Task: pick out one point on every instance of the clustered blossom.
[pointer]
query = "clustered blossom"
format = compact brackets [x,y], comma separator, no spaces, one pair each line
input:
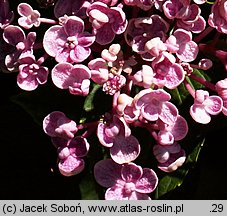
[138,61]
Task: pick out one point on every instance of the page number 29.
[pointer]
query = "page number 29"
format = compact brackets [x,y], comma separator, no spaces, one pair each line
[217,208]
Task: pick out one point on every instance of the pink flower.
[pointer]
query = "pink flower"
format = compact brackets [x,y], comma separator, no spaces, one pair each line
[69,42]
[70,154]
[29,17]
[167,72]
[57,124]
[218,16]
[180,42]
[15,36]
[6,16]
[170,157]
[76,78]
[106,22]
[169,133]
[125,182]
[116,135]
[221,87]
[141,30]
[154,105]
[31,74]
[204,106]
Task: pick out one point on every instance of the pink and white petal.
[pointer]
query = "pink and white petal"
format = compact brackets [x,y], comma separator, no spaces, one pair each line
[71,166]
[86,39]
[78,146]
[63,55]
[175,76]
[27,59]
[199,25]
[179,129]
[107,172]
[199,114]
[213,105]
[174,162]
[168,113]
[143,97]
[54,40]
[105,35]
[125,149]
[23,21]
[188,52]
[182,36]
[42,75]
[131,172]
[29,83]
[85,87]
[115,193]
[73,26]
[150,112]
[103,138]
[161,153]
[60,75]
[13,35]
[148,182]
[80,53]
[165,138]
[24,9]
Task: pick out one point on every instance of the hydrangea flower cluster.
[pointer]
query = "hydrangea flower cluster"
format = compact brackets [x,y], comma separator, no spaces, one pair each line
[138,52]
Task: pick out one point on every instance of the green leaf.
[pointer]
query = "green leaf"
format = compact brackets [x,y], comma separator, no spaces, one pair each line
[171,181]
[89,101]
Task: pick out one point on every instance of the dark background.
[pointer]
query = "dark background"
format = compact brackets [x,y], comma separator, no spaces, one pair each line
[28,159]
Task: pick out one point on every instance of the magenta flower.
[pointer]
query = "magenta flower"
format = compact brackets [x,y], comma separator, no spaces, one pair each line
[125,182]
[6,16]
[57,124]
[180,42]
[106,22]
[69,42]
[70,154]
[218,16]
[154,105]
[15,36]
[76,78]
[204,106]
[170,157]
[167,72]
[31,73]
[29,17]
[116,135]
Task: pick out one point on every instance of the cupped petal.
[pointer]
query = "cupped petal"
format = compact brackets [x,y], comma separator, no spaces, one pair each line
[71,166]
[13,35]
[213,105]
[79,53]
[86,39]
[42,75]
[105,35]
[29,83]
[150,112]
[107,172]
[168,113]
[125,149]
[148,182]
[199,114]
[115,193]
[103,138]
[73,26]
[188,52]
[131,172]
[78,146]
[54,40]
[24,9]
